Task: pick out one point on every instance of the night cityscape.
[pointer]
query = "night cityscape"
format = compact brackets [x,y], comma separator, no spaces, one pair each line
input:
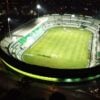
[14,14]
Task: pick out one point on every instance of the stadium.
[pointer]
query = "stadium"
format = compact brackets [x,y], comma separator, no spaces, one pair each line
[59,45]
[50,49]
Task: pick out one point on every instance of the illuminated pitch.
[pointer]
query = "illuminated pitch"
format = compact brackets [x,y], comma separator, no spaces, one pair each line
[61,47]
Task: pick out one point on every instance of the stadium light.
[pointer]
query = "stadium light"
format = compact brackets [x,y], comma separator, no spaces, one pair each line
[14,39]
[8,20]
[73,15]
[38,8]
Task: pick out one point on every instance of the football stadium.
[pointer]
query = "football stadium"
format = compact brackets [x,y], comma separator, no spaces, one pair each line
[57,45]
[49,49]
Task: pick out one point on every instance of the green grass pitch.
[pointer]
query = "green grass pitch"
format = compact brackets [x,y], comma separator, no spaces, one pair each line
[61,47]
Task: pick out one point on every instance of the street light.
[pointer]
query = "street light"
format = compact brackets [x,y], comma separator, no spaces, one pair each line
[38,8]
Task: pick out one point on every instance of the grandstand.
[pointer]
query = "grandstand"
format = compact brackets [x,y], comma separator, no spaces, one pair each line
[30,36]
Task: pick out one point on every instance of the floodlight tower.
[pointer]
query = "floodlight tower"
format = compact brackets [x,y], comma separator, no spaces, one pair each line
[8,18]
[38,8]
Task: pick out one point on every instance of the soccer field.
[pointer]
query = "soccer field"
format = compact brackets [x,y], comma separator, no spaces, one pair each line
[61,47]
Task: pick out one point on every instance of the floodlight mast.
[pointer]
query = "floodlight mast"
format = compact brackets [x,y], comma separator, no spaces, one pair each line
[8,18]
[38,8]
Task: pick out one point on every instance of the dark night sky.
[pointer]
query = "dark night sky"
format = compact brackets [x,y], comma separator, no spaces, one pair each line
[20,9]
